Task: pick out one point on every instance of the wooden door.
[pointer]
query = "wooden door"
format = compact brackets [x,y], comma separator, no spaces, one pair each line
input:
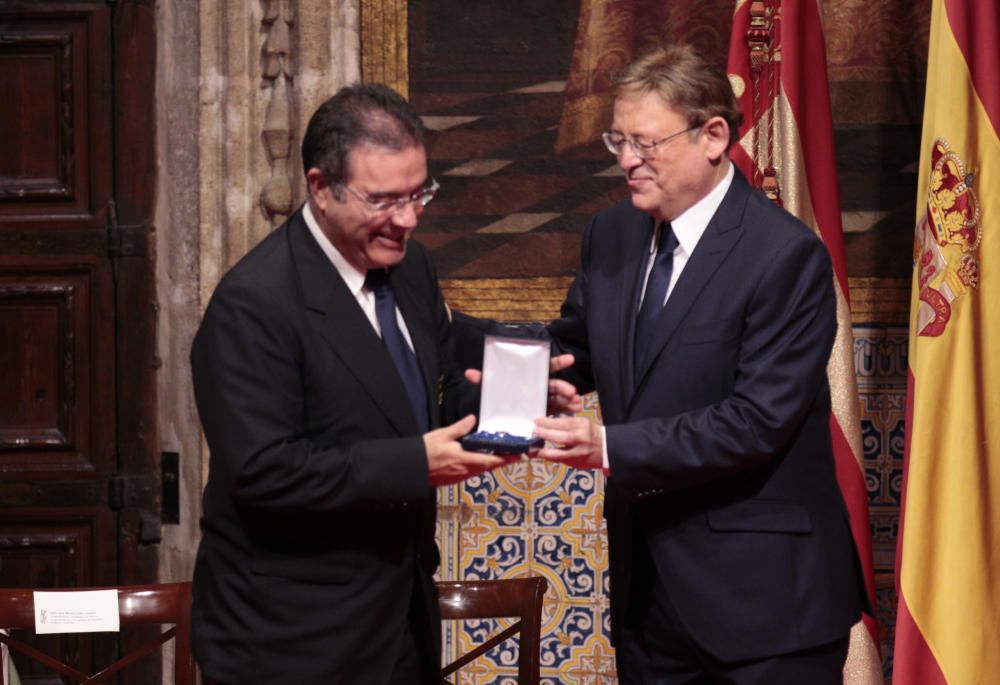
[79,496]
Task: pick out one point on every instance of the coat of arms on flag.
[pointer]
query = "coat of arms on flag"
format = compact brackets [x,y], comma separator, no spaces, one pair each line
[947,239]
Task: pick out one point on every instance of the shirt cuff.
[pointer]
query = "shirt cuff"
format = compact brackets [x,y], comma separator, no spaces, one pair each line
[605,464]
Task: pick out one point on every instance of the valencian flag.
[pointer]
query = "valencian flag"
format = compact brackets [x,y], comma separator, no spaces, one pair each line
[777,65]
[948,559]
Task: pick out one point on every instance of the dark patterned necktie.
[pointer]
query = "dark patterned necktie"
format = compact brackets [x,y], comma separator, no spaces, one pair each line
[402,356]
[656,293]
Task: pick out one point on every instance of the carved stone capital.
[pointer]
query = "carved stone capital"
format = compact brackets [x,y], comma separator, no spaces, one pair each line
[265,67]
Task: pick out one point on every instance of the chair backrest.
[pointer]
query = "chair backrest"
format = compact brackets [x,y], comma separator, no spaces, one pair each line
[519,598]
[137,604]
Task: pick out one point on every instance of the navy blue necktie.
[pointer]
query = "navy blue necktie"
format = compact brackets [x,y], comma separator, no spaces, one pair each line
[656,293]
[402,356]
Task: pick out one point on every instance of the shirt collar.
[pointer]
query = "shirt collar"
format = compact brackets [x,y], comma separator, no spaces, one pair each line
[354,279]
[691,224]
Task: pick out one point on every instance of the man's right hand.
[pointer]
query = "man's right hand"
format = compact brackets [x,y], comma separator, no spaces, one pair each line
[449,463]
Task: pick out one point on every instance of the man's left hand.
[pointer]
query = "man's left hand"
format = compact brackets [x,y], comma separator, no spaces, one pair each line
[563,397]
[576,441]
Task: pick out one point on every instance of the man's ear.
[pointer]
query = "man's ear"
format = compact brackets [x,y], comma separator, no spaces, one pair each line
[716,132]
[321,190]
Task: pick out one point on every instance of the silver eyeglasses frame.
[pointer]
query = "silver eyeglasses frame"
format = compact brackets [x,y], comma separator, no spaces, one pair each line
[615,142]
[421,197]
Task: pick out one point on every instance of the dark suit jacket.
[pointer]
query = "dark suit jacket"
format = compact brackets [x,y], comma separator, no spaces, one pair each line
[720,448]
[318,522]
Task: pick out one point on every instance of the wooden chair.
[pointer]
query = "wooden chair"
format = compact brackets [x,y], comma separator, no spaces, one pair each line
[519,598]
[137,604]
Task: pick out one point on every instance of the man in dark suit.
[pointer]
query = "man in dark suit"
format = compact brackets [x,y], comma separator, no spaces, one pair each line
[704,316]
[317,555]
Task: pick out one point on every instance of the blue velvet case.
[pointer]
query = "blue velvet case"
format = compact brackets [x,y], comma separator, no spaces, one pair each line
[500,443]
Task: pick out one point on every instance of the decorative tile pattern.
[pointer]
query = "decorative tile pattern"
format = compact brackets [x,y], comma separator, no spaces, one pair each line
[885,605]
[880,363]
[535,518]
[880,357]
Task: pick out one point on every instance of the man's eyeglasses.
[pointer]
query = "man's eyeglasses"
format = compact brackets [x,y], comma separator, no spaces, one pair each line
[615,142]
[393,204]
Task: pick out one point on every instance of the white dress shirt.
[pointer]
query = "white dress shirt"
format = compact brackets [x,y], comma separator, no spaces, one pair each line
[689,226]
[354,278]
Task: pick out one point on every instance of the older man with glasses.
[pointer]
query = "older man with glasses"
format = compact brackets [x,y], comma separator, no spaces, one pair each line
[324,372]
[704,316]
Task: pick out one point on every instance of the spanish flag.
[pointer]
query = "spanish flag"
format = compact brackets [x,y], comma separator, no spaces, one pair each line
[777,66]
[948,558]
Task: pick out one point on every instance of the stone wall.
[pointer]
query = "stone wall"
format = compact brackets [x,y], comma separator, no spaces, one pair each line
[236,84]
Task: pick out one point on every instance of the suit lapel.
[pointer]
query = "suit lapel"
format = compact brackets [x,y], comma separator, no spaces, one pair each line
[716,242]
[342,324]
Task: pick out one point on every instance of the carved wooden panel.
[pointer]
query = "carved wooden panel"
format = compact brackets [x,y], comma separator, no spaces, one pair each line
[54,115]
[38,163]
[54,549]
[55,346]
[50,551]
[78,495]
[76,290]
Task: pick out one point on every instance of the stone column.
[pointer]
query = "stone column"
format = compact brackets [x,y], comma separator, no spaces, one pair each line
[265,66]
[236,83]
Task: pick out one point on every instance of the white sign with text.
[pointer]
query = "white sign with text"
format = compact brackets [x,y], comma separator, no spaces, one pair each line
[85,611]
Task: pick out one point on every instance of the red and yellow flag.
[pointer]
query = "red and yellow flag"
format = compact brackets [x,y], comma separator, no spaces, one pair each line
[948,558]
[777,65]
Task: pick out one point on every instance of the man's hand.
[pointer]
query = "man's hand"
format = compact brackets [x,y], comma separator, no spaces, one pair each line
[563,397]
[448,463]
[577,441]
